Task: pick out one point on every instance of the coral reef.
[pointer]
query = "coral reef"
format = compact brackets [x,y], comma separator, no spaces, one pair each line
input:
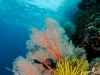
[47,48]
[88,21]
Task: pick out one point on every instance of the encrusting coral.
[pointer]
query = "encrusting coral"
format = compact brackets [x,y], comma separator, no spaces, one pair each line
[45,48]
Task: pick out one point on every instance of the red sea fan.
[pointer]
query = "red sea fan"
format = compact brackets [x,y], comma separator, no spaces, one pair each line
[22,66]
[46,38]
[47,43]
[52,38]
[42,56]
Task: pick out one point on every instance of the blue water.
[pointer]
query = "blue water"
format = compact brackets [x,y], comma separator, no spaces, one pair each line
[17,16]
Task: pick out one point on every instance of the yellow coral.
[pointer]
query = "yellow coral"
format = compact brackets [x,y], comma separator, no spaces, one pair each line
[71,67]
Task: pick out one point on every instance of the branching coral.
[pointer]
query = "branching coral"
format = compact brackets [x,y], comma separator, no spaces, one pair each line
[71,67]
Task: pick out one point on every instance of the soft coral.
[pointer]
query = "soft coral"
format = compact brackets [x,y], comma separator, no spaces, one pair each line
[47,38]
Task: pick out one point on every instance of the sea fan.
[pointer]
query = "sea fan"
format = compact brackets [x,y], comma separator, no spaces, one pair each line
[22,66]
[53,39]
[45,48]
